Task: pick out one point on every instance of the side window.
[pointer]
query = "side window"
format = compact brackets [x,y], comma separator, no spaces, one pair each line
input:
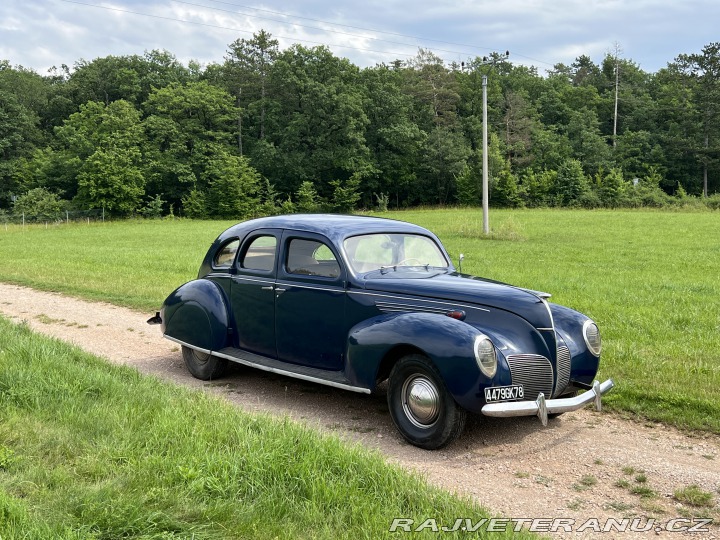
[226,254]
[260,254]
[311,258]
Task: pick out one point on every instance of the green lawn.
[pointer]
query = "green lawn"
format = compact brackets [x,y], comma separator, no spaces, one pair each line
[92,451]
[649,279]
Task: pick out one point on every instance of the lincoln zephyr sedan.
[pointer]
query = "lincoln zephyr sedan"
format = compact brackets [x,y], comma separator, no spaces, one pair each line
[351,302]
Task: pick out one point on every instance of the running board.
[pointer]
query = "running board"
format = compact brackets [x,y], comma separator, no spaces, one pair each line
[322,376]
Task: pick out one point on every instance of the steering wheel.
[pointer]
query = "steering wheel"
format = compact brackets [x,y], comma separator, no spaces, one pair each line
[402,263]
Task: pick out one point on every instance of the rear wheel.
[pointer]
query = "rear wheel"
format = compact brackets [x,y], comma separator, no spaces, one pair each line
[203,366]
[421,407]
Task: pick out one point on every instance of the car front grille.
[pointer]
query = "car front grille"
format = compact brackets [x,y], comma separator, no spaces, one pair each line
[563,370]
[534,372]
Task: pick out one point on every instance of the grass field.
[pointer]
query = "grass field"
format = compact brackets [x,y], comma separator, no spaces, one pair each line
[91,451]
[650,280]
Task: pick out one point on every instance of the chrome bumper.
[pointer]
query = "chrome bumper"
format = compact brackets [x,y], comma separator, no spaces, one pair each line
[541,407]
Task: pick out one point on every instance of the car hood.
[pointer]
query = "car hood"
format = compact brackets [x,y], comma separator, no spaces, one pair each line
[466,289]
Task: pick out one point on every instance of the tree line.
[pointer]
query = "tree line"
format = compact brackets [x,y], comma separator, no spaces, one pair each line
[268,130]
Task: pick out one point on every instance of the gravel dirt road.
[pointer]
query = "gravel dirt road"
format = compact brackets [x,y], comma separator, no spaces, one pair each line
[584,465]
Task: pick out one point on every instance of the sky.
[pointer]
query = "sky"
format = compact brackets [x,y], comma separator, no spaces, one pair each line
[39,34]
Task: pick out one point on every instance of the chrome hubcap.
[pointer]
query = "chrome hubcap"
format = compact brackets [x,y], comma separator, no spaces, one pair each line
[420,401]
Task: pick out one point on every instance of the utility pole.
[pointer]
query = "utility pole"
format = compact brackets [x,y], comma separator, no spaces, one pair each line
[485,182]
[494,57]
[617,91]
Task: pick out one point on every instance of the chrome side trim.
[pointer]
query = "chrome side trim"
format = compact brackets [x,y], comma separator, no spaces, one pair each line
[256,280]
[542,407]
[419,300]
[206,351]
[271,369]
[547,306]
[304,286]
[395,308]
[302,376]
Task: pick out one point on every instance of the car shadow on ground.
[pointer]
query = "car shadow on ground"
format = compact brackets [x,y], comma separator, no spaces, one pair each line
[357,417]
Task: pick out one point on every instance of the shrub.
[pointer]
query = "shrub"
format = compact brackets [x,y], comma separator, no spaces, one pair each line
[307,199]
[382,201]
[269,206]
[466,184]
[713,202]
[39,204]
[506,192]
[570,183]
[194,204]
[153,209]
[346,196]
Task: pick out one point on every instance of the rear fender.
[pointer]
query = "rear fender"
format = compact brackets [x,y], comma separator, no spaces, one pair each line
[196,314]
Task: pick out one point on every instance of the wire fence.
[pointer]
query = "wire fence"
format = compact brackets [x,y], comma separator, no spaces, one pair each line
[53,218]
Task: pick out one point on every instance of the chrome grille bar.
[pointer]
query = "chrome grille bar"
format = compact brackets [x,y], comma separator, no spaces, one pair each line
[534,372]
[563,370]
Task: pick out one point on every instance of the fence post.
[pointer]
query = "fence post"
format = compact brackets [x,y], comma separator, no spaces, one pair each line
[23,220]
[67,217]
[103,214]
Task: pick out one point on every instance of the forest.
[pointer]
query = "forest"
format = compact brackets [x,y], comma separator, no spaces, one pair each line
[265,130]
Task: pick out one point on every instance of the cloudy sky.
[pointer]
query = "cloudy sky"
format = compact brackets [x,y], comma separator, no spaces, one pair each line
[39,34]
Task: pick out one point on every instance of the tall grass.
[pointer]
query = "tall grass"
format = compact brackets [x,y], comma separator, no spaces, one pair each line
[649,278]
[134,263]
[94,451]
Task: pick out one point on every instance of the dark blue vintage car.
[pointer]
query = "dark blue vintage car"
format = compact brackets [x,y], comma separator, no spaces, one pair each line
[353,301]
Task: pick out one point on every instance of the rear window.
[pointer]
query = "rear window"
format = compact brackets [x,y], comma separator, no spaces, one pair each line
[226,254]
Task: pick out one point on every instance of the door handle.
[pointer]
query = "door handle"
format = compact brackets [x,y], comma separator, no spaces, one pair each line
[270,288]
[279,290]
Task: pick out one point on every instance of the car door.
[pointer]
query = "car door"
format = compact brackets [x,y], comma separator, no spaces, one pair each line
[253,292]
[310,302]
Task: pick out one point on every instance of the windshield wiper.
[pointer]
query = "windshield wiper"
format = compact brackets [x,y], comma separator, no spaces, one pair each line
[394,267]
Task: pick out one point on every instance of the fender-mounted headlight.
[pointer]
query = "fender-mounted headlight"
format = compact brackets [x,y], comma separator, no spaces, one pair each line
[591,333]
[486,356]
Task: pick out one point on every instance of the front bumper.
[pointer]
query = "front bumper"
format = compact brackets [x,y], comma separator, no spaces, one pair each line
[541,407]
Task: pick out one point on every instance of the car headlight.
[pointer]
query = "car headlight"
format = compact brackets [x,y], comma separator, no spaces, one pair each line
[591,333]
[485,355]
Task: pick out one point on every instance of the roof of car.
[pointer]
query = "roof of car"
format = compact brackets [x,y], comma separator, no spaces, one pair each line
[335,226]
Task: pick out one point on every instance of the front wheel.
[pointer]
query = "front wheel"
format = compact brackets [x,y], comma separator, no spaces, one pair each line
[203,366]
[421,407]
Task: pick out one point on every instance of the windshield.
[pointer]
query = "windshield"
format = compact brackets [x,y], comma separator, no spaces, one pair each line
[375,251]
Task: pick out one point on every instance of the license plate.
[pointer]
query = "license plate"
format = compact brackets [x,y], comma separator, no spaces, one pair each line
[504,393]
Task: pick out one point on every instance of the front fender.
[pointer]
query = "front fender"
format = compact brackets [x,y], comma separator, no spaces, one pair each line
[196,314]
[448,342]
[569,326]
